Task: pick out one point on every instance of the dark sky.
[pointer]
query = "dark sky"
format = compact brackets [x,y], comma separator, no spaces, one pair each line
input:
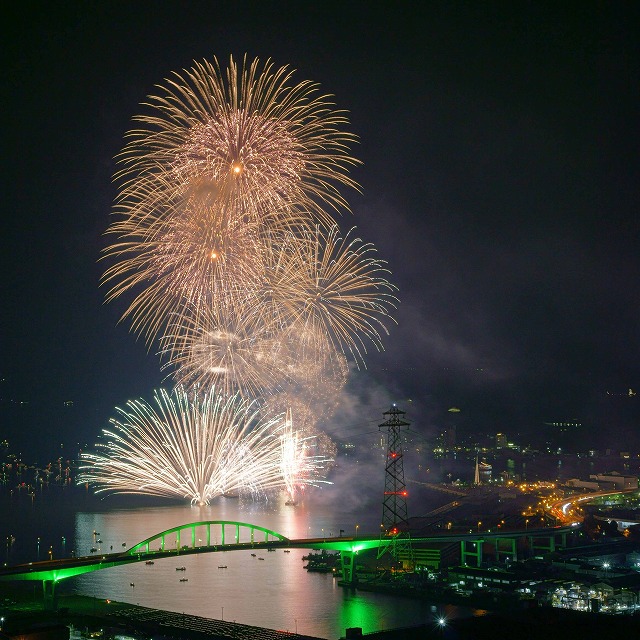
[500,181]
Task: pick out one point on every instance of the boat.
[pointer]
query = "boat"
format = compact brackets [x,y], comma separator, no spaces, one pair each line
[253,555]
[181,568]
[260,558]
[124,544]
[184,579]
[222,566]
[131,584]
[99,541]
[311,568]
[287,550]
[92,550]
[270,549]
[149,562]
[291,503]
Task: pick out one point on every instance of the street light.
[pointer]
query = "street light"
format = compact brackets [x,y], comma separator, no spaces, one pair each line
[357,527]
[479,525]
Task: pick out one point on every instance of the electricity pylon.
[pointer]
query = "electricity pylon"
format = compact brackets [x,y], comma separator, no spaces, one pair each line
[395,521]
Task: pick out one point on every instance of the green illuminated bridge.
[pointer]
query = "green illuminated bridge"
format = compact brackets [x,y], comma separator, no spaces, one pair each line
[196,537]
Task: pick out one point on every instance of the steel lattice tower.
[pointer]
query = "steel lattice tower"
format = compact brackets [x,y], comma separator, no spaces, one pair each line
[395,521]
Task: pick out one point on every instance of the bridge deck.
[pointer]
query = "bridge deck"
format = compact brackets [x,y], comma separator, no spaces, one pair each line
[67,567]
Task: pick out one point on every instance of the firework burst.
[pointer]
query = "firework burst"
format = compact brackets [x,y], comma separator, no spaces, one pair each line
[256,138]
[332,292]
[224,243]
[232,349]
[195,448]
[222,160]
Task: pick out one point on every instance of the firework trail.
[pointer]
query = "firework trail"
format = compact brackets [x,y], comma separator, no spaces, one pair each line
[300,468]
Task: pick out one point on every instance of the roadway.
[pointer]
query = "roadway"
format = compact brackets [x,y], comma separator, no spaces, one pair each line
[564,511]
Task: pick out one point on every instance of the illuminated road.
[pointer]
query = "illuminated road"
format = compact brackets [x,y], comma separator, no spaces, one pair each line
[566,512]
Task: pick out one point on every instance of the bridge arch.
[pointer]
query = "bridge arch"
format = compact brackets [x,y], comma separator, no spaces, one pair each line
[189,536]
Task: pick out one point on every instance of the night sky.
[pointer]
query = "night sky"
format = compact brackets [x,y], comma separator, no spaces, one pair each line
[500,181]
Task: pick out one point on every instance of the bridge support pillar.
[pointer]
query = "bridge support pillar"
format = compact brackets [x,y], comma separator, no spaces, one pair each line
[471,549]
[538,544]
[348,559]
[508,549]
[49,593]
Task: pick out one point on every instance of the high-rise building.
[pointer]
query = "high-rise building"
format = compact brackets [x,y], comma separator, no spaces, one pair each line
[501,441]
[450,432]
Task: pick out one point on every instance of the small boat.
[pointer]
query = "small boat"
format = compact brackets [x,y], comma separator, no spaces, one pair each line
[149,562]
[287,550]
[260,558]
[253,555]
[181,568]
[222,566]
[132,584]
[184,579]
[92,550]
[270,549]
[96,533]
[99,541]
[124,544]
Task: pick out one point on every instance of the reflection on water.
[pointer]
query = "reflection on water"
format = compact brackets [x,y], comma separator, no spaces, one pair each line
[275,592]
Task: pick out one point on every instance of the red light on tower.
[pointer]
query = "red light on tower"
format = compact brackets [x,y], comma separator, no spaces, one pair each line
[394,505]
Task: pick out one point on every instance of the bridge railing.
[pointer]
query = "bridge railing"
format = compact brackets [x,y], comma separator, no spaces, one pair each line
[209,533]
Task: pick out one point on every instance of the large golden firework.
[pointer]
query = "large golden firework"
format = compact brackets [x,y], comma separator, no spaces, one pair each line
[254,139]
[223,161]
